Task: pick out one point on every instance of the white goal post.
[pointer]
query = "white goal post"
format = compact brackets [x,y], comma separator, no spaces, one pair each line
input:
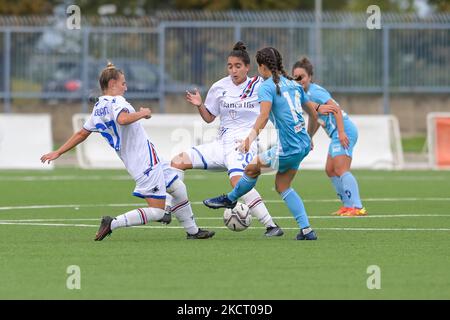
[379,144]
[438,137]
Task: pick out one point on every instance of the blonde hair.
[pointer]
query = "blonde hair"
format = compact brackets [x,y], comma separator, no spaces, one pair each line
[108,73]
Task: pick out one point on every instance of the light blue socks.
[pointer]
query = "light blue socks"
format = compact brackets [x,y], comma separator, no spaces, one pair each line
[244,185]
[295,205]
[351,190]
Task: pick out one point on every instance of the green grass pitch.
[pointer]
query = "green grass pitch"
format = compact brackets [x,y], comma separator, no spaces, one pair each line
[48,220]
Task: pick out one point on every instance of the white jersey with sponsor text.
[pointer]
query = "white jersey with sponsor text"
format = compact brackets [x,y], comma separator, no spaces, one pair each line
[236,105]
[130,141]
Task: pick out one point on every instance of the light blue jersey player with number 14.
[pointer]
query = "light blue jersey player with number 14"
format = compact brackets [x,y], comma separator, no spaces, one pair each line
[281,101]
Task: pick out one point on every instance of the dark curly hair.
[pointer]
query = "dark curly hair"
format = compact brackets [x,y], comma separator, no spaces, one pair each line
[240,51]
[304,63]
[271,58]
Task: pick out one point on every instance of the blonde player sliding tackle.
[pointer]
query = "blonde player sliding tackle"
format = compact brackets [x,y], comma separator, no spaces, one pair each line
[117,121]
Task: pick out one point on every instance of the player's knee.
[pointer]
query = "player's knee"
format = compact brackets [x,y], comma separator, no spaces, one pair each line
[252,171]
[339,171]
[330,172]
[281,187]
[181,161]
[177,187]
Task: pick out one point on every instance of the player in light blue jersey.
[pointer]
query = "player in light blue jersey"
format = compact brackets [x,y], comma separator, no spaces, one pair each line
[281,100]
[343,134]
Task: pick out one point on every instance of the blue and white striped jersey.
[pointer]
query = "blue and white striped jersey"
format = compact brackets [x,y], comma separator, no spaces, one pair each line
[130,142]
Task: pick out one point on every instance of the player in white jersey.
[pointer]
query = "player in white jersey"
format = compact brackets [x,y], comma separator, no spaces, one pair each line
[116,120]
[234,100]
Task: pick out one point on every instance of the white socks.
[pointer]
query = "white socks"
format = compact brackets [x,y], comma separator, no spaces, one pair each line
[137,217]
[180,174]
[181,206]
[257,208]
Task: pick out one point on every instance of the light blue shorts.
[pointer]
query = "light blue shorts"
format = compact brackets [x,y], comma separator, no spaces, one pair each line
[283,163]
[336,149]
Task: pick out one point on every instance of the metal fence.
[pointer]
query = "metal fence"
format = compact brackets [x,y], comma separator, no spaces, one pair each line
[171,52]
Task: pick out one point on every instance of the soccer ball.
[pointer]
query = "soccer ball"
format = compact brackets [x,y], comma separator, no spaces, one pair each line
[238,218]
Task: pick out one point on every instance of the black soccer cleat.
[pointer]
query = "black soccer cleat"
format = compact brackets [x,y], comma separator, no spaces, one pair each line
[306,234]
[219,202]
[104,229]
[274,231]
[201,234]
[167,218]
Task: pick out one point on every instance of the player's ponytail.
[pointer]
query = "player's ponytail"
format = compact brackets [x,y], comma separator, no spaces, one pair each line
[240,51]
[110,72]
[305,64]
[271,58]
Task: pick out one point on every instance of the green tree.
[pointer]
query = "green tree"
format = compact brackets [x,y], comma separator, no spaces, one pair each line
[26,7]
[385,5]
[258,4]
[440,5]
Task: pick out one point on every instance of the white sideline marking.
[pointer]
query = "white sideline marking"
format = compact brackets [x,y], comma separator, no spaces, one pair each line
[195,177]
[405,178]
[215,227]
[48,206]
[220,218]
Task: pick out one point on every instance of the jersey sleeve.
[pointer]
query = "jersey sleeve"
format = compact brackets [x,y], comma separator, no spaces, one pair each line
[121,105]
[212,101]
[265,93]
[89,125]
[320,95]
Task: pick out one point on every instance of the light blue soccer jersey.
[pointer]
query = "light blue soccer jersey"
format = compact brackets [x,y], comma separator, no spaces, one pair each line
[320,95]
[286,114]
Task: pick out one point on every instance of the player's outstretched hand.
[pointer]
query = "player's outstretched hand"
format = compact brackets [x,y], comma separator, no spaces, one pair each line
[146,112]
[194,98]
[50,157]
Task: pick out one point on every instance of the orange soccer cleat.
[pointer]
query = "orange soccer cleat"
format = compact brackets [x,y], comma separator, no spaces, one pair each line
[341,211]
[354,212]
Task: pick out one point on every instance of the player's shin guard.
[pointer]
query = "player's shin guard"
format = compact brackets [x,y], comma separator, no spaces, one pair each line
[137,217]
[244,185]
[181,206]
[337,184]
[257,208]
[351,189]
[295,205]
[169,198]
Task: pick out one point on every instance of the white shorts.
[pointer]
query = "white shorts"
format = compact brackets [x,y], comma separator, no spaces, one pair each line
[154,184]
[222,157]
